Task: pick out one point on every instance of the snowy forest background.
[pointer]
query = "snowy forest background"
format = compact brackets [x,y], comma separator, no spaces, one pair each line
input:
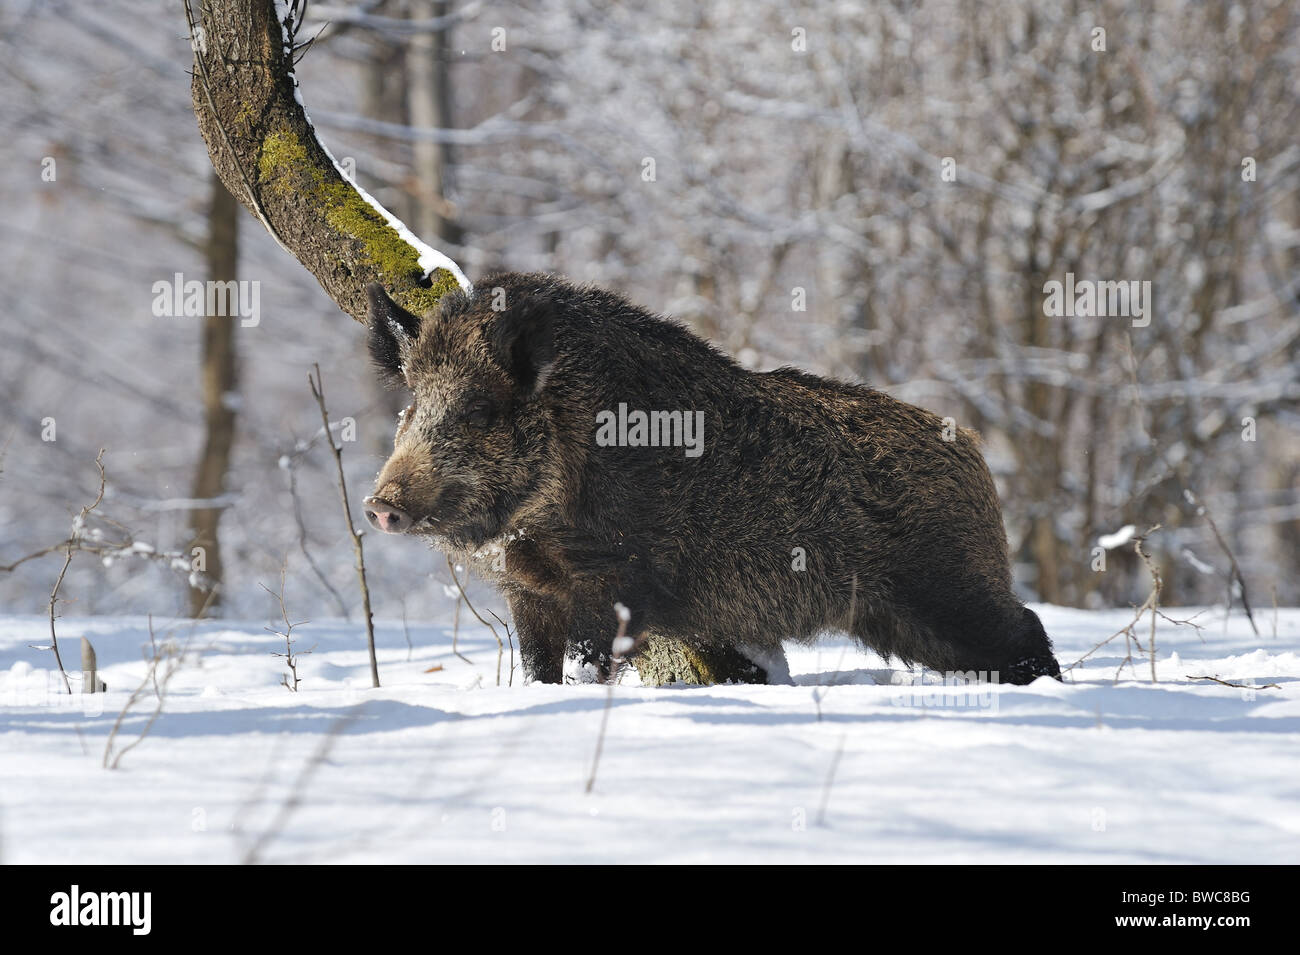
[1170,156]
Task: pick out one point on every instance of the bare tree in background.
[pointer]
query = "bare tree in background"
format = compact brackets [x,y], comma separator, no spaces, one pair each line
[429,96]
[784,163]
[219,376]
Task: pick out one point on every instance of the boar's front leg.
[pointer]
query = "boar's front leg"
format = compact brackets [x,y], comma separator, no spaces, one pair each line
[564,593]
[589,650]
[541,626]
[541,603]
[563,641]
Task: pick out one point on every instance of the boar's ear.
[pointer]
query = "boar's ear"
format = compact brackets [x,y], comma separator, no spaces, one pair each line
[524,338]
[392,330]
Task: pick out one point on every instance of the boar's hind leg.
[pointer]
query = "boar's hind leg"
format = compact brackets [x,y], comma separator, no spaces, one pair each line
[1007,640]
[959,631]
[998,640]
[541,625]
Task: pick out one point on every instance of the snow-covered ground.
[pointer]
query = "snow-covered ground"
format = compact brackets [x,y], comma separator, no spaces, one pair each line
[846,766]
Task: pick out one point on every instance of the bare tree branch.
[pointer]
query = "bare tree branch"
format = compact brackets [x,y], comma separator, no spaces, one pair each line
[318,392]
[78,526]
[623,647]
[464,596]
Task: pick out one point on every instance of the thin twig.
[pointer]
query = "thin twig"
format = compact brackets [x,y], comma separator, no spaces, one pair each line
[1151,604]
[54,637]
[318,392]
[153,645]
[173,657]
[290,655]
[501,647]
[406,632]
[108,550]
[112,550]
[77,527]
[6,568]
[1153,600]
[455,622]
[292,460]
[305,46]
[621,649]
[1192,498]
[1239,686]
[510,681]
[1234,569]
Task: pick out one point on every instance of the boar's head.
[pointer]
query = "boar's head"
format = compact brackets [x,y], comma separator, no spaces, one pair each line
[472,446]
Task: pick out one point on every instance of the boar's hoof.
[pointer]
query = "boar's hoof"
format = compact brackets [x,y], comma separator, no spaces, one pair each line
[577,670]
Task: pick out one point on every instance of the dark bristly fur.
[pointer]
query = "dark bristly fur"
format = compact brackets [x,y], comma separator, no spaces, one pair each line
[901,528]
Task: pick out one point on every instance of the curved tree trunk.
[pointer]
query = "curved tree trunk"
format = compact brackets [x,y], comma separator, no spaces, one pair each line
[265,150]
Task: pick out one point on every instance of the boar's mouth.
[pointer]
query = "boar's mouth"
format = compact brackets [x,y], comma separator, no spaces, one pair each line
[466,511]
[454,517]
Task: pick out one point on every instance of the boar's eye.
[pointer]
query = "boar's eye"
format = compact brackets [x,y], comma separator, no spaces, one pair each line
[478,413]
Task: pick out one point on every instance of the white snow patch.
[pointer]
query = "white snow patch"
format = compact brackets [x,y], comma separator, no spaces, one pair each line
[578,672]
[445,764]
[1117,539]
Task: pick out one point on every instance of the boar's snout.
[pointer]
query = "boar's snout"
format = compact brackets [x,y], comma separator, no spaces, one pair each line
[385,517]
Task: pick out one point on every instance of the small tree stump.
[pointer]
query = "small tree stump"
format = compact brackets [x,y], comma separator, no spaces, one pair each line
[662,661]
[90,681]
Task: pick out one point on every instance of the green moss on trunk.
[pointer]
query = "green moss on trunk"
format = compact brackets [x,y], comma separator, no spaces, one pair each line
[662,661]
[284,166]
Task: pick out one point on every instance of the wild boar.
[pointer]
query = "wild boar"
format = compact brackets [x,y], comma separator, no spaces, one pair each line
[588,453]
